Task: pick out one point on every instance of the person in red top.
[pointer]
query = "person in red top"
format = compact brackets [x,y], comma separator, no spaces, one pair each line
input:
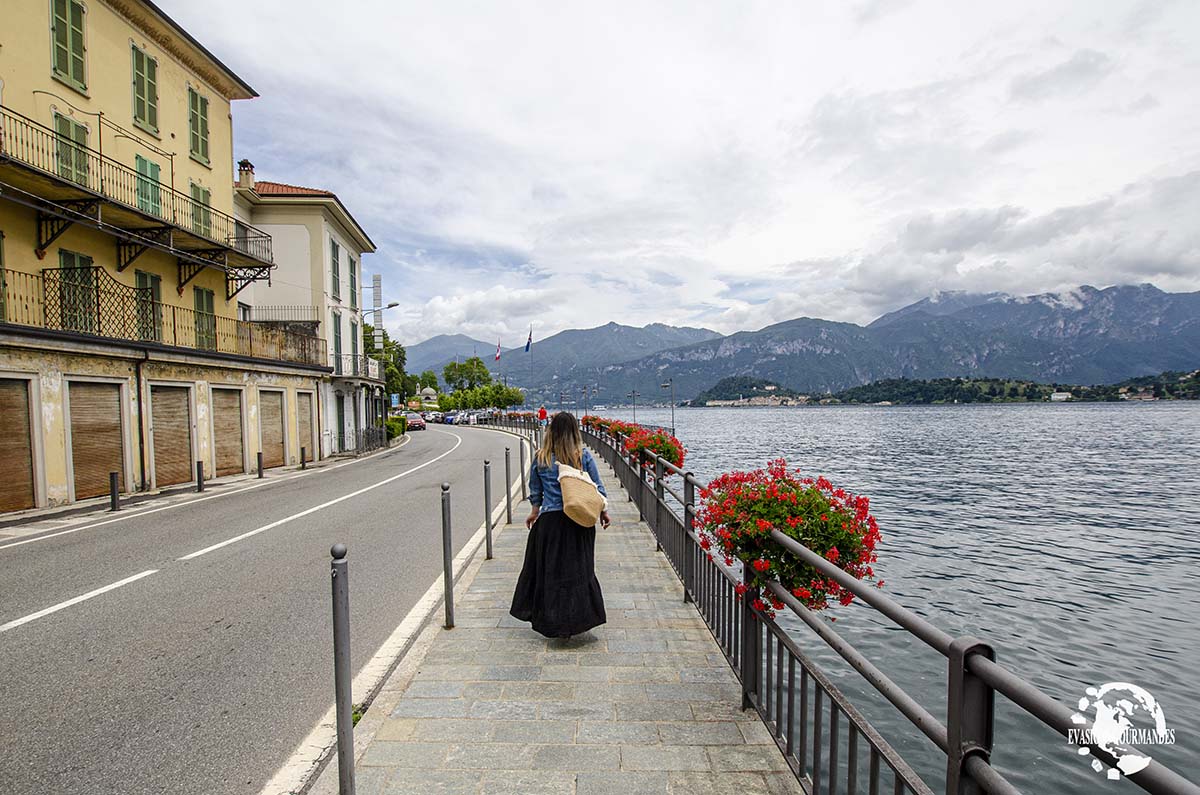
[542,415]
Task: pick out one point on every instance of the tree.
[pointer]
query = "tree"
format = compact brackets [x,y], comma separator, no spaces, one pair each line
[393,356]
[468,375]
[429,379]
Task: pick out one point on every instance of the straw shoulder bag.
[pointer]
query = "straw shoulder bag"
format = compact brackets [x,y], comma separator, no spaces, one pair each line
[582,501]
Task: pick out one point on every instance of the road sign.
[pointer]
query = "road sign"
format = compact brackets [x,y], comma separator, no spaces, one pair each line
[395,400]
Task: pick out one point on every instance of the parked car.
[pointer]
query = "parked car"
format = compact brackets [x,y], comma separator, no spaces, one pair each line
[415,421]
[450,418]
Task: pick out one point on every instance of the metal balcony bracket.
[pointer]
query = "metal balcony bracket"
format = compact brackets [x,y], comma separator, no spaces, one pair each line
[211,256]
[51,224]
[188,271]
[239,277]
[130,249]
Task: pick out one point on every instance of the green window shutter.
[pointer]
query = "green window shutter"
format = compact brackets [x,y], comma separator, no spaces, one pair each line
[60,30]
[206,321]
[149,195]
[354,340]
[149,305]
[201,214]
[335,270]
[71,149]
[77,293]
[198,125]
[353,282]
[78,64]
[69,51]
[336,329]
[145,90]
[152,93]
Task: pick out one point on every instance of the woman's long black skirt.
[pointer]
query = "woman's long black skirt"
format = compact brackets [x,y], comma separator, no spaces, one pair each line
[558,591]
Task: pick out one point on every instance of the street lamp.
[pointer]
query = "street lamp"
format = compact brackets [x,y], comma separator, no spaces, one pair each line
[634,395]
[671,385]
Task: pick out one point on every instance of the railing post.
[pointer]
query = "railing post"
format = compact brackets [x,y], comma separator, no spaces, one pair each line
[339,574]
[659,474]
[524,471]
[260,463]
[508,485]
[447,558]
[970,705]
[114,491]
[689,523]
[487,507]
[750,642]
[199,476]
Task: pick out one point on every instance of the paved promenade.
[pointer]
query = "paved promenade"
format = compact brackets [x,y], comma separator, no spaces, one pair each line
[644,704]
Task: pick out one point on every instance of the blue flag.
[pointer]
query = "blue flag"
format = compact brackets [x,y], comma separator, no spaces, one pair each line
[529,342]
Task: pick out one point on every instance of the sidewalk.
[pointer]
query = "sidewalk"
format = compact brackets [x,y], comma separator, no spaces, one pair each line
[644,704]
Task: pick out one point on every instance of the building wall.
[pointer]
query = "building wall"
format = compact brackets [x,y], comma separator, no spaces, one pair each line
[30,88]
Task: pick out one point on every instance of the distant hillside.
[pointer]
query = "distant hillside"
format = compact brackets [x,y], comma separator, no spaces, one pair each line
[435,352]
[907,391]
[739,387]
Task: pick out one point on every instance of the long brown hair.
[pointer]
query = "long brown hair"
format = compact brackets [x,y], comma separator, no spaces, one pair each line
[562,442]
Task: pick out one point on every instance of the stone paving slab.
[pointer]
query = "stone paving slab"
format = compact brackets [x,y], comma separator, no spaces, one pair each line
[644,704]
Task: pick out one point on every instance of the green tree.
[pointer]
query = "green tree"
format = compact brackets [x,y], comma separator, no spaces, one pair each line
[393,357]
[429,379]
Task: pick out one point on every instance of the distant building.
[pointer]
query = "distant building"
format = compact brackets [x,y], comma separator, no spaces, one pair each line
[1060,397]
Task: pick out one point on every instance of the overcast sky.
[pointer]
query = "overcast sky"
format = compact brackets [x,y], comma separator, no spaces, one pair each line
[730,164]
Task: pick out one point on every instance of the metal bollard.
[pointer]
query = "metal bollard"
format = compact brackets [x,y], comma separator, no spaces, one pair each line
[487,506]
[447,557]
[114,491]
[260,463]
[302,456]
[199,476]
[339,573]
[524,472]
[508,485]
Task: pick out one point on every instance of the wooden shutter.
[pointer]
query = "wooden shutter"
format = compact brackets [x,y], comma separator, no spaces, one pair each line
[171,421]
[270,416]
[227,431]
[78,72]
[304,424]
[16,446]
[96,444]
[66,32]
[335,266]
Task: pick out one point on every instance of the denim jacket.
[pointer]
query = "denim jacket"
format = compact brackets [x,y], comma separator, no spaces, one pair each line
[544,490]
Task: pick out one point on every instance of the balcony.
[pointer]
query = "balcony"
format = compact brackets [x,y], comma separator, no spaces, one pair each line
[68,183]
[356,365]
[90,303]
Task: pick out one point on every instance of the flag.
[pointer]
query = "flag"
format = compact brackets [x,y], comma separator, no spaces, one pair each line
[529,342]
[497,350]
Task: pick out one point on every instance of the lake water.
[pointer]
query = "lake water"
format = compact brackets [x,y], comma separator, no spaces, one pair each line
[1068,536]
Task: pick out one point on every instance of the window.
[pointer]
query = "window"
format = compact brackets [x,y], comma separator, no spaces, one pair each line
[206,320]
[337,343]
[77,292]
[353,282]
[354,363]
[71,149]
[149,306]
[201,214]
[145,91]
[149,198]
[198,126]
[335,269]
[244,312]
[66,34]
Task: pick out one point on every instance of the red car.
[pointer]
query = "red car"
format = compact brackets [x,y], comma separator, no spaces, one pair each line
[415,422]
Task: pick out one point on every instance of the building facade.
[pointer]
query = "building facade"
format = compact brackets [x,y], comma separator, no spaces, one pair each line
[319,248]
[122,348]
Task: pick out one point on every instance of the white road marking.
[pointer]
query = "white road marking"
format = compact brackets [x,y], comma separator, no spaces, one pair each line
[139,513]
[39,614]
[323,505]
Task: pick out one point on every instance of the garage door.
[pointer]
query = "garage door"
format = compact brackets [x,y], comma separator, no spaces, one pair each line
[304,423]
[95,437]
[171,421]
[16,449]
[270,415]
[227,431]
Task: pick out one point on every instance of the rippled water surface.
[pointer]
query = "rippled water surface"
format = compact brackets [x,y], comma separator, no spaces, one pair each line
[1068,536]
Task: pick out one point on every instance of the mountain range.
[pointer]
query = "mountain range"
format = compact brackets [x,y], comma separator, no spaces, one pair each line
[1084,336]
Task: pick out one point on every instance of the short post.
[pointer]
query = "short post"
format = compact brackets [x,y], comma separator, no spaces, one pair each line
[199,476]
[524,472]
[260,463]
[447,558]
[487,507]
[114,491]
[508,484]
[689,524]
[750,639]
[970,709]
[339,573]
[303,462]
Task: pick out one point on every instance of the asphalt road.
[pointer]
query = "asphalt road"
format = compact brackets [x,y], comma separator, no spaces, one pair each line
[203,676]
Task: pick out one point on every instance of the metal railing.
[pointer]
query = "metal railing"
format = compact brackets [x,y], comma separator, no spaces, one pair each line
[356,365]
[807,715]
[287,314]
[367,440]
[26,141]
[89,301]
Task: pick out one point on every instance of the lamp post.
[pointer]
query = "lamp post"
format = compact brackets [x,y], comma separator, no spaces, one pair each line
[671,385]
[377,341]
[634,396]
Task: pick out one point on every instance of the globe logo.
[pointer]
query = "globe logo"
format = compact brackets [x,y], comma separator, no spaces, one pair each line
[1122,716]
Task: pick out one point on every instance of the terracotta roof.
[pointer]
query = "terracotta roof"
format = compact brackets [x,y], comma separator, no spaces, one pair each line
[264,188]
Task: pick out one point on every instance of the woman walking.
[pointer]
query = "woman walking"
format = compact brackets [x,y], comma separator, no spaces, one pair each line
[558,591]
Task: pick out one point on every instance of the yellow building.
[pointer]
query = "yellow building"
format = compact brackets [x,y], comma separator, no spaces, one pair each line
[123,346]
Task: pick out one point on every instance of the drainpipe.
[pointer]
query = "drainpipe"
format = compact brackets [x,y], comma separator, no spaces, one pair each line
[141,420]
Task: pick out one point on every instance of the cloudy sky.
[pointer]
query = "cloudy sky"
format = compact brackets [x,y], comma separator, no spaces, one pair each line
[727,164]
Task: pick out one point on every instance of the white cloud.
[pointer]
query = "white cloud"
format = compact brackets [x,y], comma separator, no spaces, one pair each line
[728,164]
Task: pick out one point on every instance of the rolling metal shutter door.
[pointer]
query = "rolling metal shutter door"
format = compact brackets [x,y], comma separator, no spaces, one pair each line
[172,426]
[96,446]
[270,414]
[16,447]
[227,430]
[304,423]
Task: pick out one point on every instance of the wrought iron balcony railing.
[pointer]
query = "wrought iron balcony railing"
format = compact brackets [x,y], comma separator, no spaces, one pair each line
[89,301]
[38,147]
[356,365]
